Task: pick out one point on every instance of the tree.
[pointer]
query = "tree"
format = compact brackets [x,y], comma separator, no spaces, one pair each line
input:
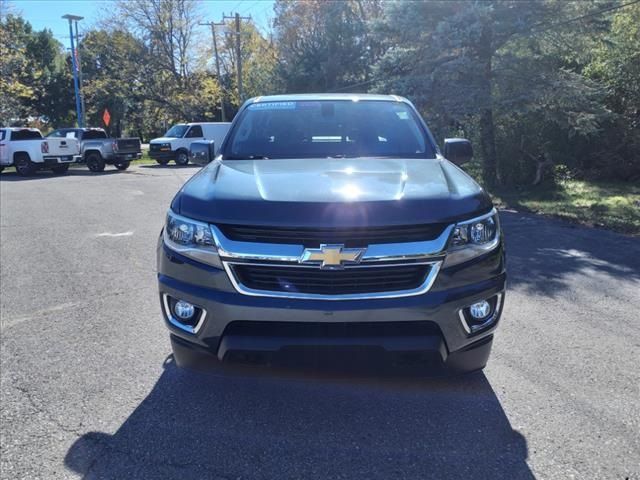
[173,84]
[113,65]
[323,45]
[259,63]
[486,67]
[616,65]
[15,92]
[34,80]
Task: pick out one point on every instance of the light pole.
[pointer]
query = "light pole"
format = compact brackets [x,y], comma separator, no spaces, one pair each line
[79,61]
[76,84]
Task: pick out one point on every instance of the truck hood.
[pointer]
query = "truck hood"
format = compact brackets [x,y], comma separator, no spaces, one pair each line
[331,192]
[163,140]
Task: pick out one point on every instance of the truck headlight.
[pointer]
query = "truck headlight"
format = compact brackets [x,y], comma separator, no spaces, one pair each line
[472,238]
[191,238]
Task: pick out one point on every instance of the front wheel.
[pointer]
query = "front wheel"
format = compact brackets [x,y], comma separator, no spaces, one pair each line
[182,158]
[122,165]
[162,161]
[24,166]
[60,169]
[95,162]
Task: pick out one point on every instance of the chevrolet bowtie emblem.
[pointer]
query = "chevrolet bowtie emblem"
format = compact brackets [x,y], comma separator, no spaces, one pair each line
[332,256]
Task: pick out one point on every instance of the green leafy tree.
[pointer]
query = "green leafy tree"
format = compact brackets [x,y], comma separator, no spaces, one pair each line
[34,80]
[114,71]
[324,45]
[616,65]
[484,68]
[15,89]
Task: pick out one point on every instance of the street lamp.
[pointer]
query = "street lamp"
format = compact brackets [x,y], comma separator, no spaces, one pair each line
[74,63]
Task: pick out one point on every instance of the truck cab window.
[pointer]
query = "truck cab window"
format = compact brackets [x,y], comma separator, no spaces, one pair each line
[94,134]
[26,135]
[195,132]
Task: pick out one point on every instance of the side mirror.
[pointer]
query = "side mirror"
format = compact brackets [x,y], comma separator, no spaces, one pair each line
[202,152]
[458,150]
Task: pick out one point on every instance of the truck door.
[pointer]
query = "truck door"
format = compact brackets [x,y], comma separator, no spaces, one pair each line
[4,148]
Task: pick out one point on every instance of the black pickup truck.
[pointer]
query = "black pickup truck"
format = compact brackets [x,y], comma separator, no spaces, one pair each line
[332,226]
[98,150]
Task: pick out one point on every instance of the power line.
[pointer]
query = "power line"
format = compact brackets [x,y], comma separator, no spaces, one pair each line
[581,17]
[244,10]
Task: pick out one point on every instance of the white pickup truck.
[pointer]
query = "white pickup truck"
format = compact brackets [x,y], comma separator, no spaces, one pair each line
[25,149]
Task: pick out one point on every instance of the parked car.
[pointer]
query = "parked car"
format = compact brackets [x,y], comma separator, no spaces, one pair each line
[332,223]
[28,151]
[176,142]
[98,150]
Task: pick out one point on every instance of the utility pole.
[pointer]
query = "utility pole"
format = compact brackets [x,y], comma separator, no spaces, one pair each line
[71,19]
[239,59]
[82,109]
[215,50]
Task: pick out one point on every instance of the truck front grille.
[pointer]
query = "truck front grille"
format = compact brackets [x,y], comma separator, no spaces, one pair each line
[350,237]
[312,280]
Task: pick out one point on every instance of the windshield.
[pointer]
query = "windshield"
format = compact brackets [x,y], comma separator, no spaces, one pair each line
[177,131]
[328,128]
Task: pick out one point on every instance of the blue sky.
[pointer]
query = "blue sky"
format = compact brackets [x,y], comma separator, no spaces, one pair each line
[46,13]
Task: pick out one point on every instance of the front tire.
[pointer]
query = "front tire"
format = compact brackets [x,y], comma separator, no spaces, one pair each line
[60,169]
[95,162]
[182,158]
[162,161]
[122,165]
[24,166]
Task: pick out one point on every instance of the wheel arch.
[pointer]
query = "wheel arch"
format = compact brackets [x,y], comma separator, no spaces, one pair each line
[90,151]
[21,152]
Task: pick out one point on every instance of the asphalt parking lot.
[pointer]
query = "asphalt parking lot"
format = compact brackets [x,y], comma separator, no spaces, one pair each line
[89,389]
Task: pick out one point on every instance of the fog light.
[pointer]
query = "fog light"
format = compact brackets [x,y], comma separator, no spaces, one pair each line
[480,310]
[184,310]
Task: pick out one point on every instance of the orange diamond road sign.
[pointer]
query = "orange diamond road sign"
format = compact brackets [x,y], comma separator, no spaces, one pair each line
[106,117]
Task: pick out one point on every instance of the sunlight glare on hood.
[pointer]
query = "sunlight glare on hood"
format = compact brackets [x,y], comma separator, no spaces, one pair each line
[350,191]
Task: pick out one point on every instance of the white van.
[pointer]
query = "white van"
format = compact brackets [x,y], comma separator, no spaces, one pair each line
[174,145]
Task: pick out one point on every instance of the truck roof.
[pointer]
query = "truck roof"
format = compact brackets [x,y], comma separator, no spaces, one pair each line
[13,129]
[328,96]
[81,129]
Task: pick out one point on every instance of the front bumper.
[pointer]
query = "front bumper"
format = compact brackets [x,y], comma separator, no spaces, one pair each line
[439,332]
[162,154]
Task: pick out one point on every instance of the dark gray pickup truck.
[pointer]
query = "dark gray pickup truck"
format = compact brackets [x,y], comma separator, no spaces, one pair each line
[332,227]
[98,150]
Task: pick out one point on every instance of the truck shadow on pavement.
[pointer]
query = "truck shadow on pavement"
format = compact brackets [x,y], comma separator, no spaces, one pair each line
[48,175]
[543,253]
[230,424]
[170,166]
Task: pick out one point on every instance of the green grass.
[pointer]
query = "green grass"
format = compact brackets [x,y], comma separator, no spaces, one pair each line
[615,206]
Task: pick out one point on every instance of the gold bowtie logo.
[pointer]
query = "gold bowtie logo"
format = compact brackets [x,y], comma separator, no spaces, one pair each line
[332,256]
